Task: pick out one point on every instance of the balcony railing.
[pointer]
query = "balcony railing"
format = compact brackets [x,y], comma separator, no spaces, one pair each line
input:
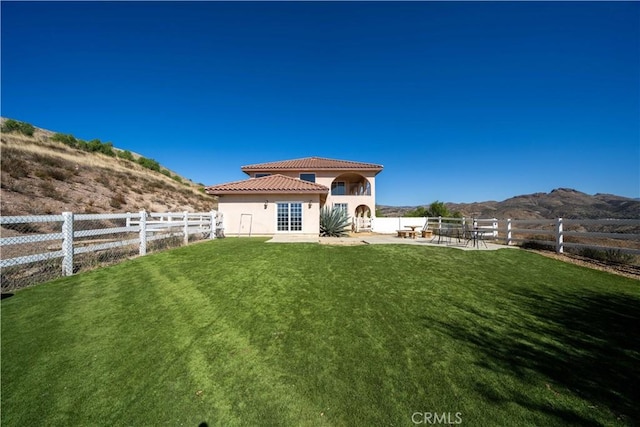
[350,189]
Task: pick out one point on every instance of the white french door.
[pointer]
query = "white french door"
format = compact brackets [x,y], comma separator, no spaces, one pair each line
[289,216]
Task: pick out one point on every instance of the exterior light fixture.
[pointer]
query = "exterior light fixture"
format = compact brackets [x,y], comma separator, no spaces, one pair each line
[266,202]
[310,203]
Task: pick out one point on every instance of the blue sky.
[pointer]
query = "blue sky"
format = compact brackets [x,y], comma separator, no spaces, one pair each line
[459,101]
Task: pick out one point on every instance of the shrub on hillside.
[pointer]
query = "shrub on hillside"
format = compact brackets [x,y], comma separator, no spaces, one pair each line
[49,190]
[104,180]
[117,201]
[82,145]
[11,125]
[97,146]
[67,139]
[107,148]
[93,146]
[47,172]
[126,154]
[149,164]
[15,167]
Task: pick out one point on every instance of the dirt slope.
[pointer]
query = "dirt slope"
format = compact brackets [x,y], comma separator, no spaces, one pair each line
[41,176]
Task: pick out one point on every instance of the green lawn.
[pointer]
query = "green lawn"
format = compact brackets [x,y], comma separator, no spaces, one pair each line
[239,332]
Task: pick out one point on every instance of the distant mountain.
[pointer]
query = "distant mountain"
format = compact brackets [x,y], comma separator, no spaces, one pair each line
[559,203]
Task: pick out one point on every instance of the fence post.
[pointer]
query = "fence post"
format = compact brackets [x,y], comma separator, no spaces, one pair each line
[185,228]
[559,236]
[495,228]
[212,235]
[143,233]
[128,224]
[509,231]
[220,220]
[439,223]
[67,243]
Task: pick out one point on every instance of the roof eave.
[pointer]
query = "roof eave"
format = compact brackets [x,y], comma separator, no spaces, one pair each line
[249,192]
[249,170]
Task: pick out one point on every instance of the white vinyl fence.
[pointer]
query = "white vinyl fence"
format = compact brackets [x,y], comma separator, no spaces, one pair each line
[559,234]
[622,235]
[38,248]
[391,225]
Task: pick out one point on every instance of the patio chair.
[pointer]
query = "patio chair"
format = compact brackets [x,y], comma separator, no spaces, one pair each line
[444,233]
[480,237]
[475,235]
[456,232]
[468,233]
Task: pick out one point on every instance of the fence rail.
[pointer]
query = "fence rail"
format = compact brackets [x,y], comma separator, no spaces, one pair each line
[37,248]
[621,235]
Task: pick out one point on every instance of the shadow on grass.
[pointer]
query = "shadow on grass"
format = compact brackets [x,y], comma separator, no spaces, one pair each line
[587,343]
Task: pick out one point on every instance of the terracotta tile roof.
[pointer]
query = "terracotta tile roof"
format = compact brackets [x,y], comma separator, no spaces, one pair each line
[312,164]
[268,185]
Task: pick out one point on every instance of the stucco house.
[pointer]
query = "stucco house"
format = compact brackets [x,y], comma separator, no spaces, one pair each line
[287,196]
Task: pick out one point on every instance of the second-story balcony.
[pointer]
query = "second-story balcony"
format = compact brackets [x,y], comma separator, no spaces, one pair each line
[350,184]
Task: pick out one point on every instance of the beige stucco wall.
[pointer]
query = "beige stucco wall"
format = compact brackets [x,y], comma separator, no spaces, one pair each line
[263,221]
[327,177]
[352,201]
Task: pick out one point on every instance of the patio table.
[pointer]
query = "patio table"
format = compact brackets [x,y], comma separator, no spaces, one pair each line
[412,227]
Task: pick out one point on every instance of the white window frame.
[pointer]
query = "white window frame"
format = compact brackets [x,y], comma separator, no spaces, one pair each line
[344,206]
[289,203]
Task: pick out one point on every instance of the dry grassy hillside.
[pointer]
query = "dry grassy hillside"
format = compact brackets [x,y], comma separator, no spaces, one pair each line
[42,176]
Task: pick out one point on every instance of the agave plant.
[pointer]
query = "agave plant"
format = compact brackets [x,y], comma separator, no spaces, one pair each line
[333,222]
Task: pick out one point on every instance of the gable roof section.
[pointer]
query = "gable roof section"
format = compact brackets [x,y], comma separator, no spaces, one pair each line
[268,185]
[312,164]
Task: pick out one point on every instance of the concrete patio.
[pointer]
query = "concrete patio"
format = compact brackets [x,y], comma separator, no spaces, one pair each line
[454,243]
[385,239]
